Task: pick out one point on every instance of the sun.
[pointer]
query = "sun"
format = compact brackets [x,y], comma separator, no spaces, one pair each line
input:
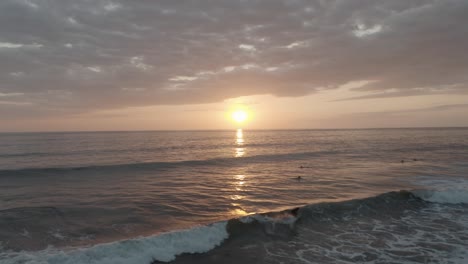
[239,116]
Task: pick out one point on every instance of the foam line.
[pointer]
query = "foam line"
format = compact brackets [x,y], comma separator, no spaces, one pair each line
[164,247]
[450,196]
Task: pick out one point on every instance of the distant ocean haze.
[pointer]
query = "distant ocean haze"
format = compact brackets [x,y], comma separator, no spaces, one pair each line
[63,192]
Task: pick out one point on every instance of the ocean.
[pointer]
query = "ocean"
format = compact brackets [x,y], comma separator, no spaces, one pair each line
[266,196]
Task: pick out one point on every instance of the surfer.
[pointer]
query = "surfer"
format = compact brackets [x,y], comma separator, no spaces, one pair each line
[295,211]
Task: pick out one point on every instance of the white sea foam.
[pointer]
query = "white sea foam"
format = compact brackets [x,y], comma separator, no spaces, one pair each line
[279,218]
[163,247]
[452,191]
[422,236]
[451,196]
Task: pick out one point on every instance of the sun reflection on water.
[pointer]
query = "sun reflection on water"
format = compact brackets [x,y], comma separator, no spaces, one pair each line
[239,150]
[239,212]
[238,183]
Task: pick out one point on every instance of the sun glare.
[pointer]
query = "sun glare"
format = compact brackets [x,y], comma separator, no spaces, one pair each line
[239,116]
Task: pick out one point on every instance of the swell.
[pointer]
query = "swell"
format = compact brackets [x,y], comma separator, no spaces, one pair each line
[238,232]
[137,150]
[256,231]
[393,227]
[227,161]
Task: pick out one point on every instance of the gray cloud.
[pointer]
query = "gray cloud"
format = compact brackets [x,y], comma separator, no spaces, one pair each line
[451,115]
[392,93]
[440,108]
[68,56]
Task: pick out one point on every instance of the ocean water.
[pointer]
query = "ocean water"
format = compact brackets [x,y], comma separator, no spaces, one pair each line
[292,196]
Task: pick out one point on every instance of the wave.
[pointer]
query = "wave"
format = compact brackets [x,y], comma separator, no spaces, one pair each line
[154,149]
[451,191]
[222,161]
[451,196]
[162,247]
[167,246]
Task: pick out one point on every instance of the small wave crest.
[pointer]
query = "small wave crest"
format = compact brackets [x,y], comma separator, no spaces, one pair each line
[154,165]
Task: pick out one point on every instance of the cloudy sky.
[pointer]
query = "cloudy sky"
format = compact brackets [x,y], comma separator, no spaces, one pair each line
[165,64]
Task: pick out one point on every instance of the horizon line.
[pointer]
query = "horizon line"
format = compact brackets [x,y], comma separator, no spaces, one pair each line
[214,130]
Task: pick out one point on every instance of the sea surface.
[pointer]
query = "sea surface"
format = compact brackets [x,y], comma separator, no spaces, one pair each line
[282,196]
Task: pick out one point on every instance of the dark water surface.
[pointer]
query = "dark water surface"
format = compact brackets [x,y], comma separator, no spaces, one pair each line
[118,197]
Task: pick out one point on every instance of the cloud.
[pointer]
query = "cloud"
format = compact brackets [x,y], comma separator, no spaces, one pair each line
[447,115]
[72,56]
[440,108]
[392,93]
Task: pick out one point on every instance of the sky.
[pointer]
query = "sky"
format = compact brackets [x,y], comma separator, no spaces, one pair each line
[85,65]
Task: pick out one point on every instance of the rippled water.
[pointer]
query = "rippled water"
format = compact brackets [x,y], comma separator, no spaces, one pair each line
[81,189]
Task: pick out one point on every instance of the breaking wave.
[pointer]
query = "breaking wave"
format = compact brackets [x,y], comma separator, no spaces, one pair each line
[281,225]
[163,247]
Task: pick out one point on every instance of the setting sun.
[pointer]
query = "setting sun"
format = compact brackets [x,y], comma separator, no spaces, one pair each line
[239,116]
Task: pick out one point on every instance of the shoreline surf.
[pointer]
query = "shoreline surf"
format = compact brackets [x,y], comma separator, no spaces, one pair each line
[209,243]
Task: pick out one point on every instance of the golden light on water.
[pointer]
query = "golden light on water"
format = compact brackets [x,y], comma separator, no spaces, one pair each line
[237,197]
[239,150]
[239,212]
[239,137]
[238,183]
